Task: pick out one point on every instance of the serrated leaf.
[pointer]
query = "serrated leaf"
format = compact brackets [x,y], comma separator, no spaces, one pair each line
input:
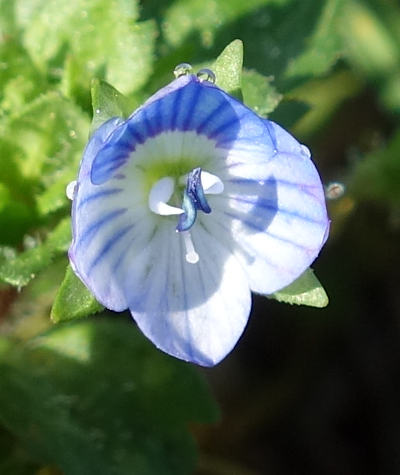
[54,197]
[96,397]
[259,93]
[51,132]
[21,269]
[228,69]
[20,81]
[46,140]
[103,36]
[107,103]
[306,290]
[73,300]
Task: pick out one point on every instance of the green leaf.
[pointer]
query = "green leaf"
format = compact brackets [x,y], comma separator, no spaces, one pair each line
[48,137]
[324,46]
[258,92]
[21,269]
[7,19]
[291,39]
[96,397]
[228,69]
[20,81]
[185,18]
[50,132]
[103,36]
[17,211]
[306,290]
[73,300]
[107,103]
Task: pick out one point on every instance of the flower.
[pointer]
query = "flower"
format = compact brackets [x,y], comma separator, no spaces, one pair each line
[183,209]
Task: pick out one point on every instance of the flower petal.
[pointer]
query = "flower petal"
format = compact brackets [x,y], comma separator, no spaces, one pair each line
[189,105]
[105,220]
[278,223]
[190,292]
[195,312]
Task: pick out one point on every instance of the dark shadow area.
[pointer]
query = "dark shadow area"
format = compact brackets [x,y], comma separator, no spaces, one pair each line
[317,391]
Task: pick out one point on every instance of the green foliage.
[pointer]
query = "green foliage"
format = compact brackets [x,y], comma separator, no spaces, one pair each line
[228,69]
[93,396]
[20,269]
[73,300]
[103,37]
[44,141]
[259,93]
[186,17]
[107,102]
[306,290]
[74,401]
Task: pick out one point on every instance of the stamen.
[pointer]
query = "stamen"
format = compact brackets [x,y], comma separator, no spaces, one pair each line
[194,188]
[191,255]
[187,219]
[194,198]
[159,196]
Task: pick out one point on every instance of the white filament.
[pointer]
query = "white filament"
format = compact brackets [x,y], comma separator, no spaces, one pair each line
[191,255]
[159,196]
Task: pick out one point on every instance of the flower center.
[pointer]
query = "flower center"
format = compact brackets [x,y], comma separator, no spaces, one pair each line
[199,183]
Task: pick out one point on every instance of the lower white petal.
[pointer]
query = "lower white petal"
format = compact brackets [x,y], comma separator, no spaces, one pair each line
[195,312]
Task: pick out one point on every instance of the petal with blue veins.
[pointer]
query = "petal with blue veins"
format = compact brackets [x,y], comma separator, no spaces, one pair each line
[195,312]
[266,221]
[278,223]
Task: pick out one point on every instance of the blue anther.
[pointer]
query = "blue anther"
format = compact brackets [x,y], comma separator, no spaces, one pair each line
[193,199]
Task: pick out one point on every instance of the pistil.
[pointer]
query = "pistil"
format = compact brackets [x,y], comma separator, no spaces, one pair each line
[198,184]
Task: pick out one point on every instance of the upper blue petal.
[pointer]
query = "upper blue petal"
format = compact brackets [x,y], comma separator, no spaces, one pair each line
[185,105]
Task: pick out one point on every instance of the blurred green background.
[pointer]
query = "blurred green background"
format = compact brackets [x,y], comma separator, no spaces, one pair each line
[306,391]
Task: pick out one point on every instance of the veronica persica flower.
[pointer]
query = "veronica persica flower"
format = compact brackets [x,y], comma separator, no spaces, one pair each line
[186,207]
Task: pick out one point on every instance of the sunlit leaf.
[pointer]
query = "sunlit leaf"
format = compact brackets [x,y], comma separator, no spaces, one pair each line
[107,102]
[73,300]
[103,36]
[21,269]
[48,137]
[306,290]
[228,69]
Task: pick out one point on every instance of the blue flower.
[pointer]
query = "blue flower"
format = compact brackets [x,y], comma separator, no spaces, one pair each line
[187,206]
